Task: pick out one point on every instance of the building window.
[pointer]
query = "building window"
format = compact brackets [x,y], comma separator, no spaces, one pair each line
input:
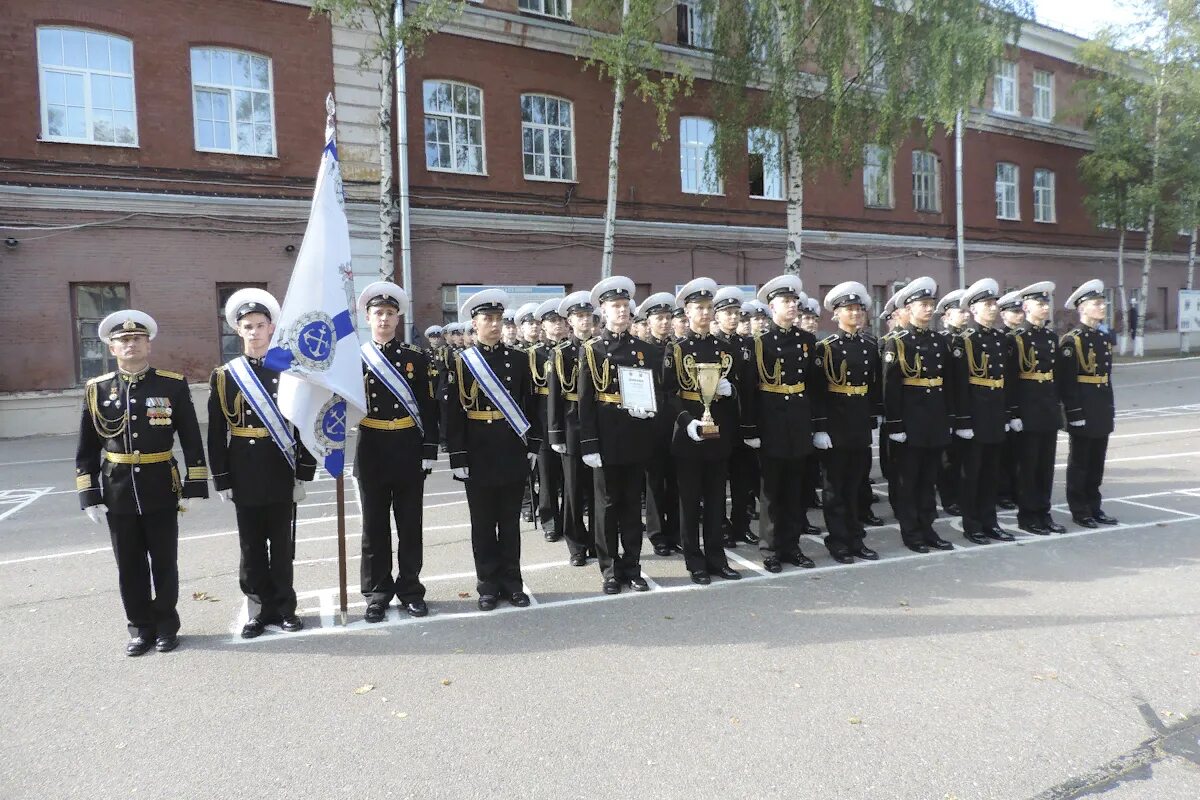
[766,169]
[547,138]
[1004,88]
[1043,95]
[697,162]
[86,87]
[453,127]
[1007,177]
[91,303]
[232,102]
[877,177]
[927,182]
[549,8]
[231,343]
[694,29]
[1043,196]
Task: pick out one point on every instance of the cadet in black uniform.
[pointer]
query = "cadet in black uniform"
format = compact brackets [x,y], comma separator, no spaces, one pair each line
[679,324]
[617,438]
[662,493]
[743,464]
[433,335]
[563,428]
[918,410]
[1012,315]
[492,445]
[549,464]
[1083,374]
[701,464]
[258,462]
[809,321]
[853,401]
[1033,410]
[980,411]
[783,394]
[954,321]
[397,448]
[124,466]
[895,319]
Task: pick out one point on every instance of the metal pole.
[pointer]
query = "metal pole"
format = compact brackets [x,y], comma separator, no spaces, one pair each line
[402,176]
[341,534]
[958,199]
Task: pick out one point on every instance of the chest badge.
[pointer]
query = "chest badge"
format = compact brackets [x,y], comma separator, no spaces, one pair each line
[158,410]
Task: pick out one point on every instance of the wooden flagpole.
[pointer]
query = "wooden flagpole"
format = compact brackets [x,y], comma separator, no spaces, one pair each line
[341,535]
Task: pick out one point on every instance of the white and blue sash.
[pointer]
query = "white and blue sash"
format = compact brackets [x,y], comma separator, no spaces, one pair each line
[260,400]
[393,380]
[500,397]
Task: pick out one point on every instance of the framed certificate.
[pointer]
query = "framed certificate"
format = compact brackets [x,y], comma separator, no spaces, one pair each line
[637,388]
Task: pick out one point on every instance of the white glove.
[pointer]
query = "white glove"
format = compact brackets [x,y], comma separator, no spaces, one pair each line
[1079,423]
[462,473]
[95,513]
[724,388]
[427,463]
[879,422]
[753,444]
[593,460]
[640,413]
[532,457]
[693,431]
[965,433]
[561,449]
[898,437]
[298,492]
[1016,426]
[225,494]
[184,503]
[821,440]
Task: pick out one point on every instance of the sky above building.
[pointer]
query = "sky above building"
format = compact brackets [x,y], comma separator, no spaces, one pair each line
[1084,17]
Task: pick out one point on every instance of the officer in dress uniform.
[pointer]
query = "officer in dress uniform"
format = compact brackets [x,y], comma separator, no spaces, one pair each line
[918,410]
[397,448]
[124,466]
[616,436]
[1011,316]
[810,320]
[760,316]
[1033,409]
[784,399]
[433,335]
[980,411]
[516,322]
[1083,374]
[549,464]
[258,462]
[492,446]
[853,401]
[894,319]
[563,427]
[662,493]
[743,463]
[679,324]
[954,321]
[701,463]
[508,330]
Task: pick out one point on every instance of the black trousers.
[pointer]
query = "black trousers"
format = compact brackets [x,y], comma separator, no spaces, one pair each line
[980,484]
[618,492]
[662,500]
[846,470]
[889,467]
[147,549]
[784,511]
[381,503]
[496,537]
[950,473]
[550,490]
[743,488]
[1085,473]
[265,571]
[911,490]
[1006,469]
[577,492]
[812,478]
[702,485]
[1035,475]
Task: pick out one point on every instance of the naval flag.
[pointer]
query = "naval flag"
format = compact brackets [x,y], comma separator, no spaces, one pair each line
[315,345]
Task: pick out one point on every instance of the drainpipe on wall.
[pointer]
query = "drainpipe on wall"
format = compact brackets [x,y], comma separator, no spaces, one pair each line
[958,199]
[406,277]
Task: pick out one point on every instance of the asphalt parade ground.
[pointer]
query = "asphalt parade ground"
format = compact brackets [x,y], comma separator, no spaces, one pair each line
[1053,667]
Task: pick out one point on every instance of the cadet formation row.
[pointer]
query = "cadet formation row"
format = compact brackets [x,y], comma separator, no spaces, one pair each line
[588,426]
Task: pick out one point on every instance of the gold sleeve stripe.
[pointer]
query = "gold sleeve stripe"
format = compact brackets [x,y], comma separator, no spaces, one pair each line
[166,374]
[83,482]
[197,473]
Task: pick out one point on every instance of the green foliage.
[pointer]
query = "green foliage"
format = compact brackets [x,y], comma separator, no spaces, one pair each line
[421,20]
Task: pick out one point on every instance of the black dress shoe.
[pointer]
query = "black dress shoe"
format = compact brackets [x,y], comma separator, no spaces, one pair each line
[138,645]
[1104,519]
[954,510]
[978,537]
[415,608]
[1053,526]
[867,553]
[701,577]
[772,565]
[487,602]
[611,586]
[999,534]
[1086,522]
[872,520]
[1007,505]
[376,612]
[916,547]
[800,560]
[661,549]
[676,548]
[579,560]
[747,537]
[291,623]
[729,541]
[552,536]
[1034,528]
[842,558]
[527,516]
[937,542]
[165,644]
[253,629]
[639,584]
[728,573]
[811,530]
[815,502]
[519,599]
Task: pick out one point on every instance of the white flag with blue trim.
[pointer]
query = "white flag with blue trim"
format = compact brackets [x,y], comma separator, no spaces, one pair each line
[315,345]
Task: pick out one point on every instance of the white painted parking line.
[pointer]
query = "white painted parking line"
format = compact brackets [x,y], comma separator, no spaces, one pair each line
[1185,514]
[745,562]
[13,500]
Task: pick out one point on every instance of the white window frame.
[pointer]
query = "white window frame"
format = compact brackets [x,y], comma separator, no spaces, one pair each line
[1043,95]
[541,11]
[927,183]
[86,73]
[696,157]
[1005,94]
[546,128]
[229,89]
[699,29]
[451,116]
[876,160]
[1044,196]
[766,143]
[1011,189]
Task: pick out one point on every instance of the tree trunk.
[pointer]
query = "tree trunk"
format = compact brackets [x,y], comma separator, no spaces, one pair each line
[614,152]
[387,264]
[1184,344]
[1139,335]
[794,164]
[1124,339]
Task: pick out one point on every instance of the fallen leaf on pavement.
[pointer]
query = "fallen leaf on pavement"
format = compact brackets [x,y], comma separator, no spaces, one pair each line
[446,681]
[401,714]
[903,602]
[199,595]
[366,687]
[464,594]
[855,721]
